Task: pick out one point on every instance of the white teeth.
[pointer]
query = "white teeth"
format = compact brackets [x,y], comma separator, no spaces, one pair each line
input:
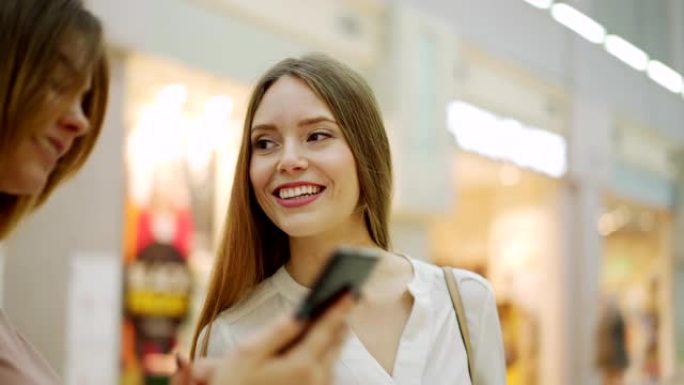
[295,192]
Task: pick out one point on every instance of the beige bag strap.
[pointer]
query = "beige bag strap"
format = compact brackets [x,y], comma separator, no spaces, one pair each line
[460,316]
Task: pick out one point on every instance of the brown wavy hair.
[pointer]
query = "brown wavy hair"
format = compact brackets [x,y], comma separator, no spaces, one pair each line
[253,248]
[47,45]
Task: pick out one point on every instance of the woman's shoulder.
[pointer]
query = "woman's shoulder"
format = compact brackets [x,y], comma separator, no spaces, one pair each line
[471,283]
[262,296]
[475,290]
[239,320]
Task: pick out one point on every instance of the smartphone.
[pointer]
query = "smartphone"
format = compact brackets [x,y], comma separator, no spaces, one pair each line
[345,272]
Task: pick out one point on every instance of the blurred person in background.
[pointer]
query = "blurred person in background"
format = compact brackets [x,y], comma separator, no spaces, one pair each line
[53,95]
[611,356]
[314,173]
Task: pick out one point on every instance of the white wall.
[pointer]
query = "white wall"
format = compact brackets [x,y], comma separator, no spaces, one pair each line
[198,36]
[221,37]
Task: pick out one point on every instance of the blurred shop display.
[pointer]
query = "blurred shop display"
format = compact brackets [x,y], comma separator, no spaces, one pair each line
[503,228]
[633,279]
[181,130]
[509,161]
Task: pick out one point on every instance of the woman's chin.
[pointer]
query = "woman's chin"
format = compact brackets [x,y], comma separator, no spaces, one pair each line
[301,232]
[25,183]
[302,229]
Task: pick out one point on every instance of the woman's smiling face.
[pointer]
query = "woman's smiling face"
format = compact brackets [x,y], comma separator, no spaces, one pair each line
[302,170]
[33,160]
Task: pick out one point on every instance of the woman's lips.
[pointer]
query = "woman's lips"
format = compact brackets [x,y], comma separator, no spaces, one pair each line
[297,194]
[299,201]
[58,146]
[47,151]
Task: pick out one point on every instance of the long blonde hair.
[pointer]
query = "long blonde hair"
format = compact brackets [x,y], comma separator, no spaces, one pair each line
[253,248]
[33,34]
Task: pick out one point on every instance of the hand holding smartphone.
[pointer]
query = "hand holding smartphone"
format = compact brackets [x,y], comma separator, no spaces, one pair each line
[346,272]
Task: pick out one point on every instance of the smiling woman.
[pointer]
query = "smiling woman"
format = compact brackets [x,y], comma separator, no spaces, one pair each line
[314,159]
[314,174]
[53,94]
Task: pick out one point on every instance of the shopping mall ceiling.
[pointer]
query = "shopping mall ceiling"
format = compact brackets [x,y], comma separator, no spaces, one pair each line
[656,26]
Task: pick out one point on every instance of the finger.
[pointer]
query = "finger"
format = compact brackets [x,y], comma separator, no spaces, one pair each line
[203,369]
[180,378]
[333,352]
[183,376]
[181,362]
[324,332]
[272,339]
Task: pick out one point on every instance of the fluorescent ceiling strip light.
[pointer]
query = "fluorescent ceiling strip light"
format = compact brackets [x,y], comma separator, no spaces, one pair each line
[615,45]
[665,76]
[627,52]
[541,4]
[582,24]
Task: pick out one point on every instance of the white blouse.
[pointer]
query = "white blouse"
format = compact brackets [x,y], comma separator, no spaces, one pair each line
[431,350]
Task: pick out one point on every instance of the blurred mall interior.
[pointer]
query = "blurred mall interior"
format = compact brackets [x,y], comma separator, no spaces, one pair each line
[537,142]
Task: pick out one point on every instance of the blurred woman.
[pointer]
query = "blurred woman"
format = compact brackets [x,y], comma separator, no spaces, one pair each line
[53,94]
[313,173]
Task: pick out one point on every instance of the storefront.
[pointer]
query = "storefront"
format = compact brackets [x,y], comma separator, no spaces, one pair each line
[633,285]
[182,136]
[502,228]
[636,281]
[507,173]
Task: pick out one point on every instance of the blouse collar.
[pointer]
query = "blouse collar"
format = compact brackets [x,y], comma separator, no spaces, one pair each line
[292,290]
[419,286]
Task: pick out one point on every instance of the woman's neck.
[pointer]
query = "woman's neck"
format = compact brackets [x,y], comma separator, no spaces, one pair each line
[308,255]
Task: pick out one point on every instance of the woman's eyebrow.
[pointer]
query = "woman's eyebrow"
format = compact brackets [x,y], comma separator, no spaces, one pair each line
[263,126]
[64,59]
[303,122]
[317,119]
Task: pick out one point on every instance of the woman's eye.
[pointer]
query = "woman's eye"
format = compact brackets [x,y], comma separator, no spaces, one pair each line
[56,90]
[263,144]
[318,136]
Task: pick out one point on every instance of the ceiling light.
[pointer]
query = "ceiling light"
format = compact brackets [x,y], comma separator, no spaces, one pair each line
[627,52]
[665,76]
[578,22]
[541,4]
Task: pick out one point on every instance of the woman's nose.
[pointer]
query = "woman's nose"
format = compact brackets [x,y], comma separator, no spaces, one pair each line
[292,159]
[74,119]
